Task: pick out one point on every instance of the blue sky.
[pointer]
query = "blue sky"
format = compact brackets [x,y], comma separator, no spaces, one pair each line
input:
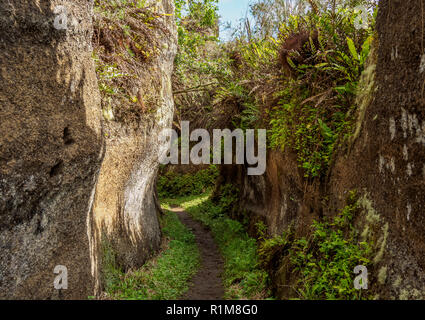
[232,11]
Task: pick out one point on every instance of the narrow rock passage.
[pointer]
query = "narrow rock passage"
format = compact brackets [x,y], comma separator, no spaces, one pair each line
[206,283]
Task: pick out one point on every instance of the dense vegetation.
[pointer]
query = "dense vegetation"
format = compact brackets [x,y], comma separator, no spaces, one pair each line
[324,261]
[304,94]
[294,69]
[173,184]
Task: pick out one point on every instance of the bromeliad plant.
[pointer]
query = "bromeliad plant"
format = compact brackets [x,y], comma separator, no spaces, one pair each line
[316,105]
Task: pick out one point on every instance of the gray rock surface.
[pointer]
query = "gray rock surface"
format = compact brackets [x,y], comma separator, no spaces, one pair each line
[51,148]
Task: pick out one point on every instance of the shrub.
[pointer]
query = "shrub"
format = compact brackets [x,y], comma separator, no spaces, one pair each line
[323,262]
[316,105]
[125,40]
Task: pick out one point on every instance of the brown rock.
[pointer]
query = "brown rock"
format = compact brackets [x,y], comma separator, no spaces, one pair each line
[386,162]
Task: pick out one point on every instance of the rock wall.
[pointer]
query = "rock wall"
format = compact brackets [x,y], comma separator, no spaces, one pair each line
[386,161]
[383,161]
[125,208]
[51,148]
[280,198]
[70,179]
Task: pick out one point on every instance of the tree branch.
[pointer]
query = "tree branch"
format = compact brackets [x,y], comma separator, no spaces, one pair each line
[201,87]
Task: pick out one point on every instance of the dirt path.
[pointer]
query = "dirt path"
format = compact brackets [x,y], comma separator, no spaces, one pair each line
[207,283]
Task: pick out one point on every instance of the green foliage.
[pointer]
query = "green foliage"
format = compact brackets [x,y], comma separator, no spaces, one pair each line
[110,270]
[200,64]
[326,260]
[302,128]
[268,15]
[247,87]
[311,110]
[204,12]
[270,248]
[164,278]
[124,41]
[173,184]
[316,109]
[196,24]
[228,199]
[323,262]
[242,278]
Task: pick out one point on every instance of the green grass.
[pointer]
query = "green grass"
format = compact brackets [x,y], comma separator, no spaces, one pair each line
[164,278]
[242,278]
[172,184]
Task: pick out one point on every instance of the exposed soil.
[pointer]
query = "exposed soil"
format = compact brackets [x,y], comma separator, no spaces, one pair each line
[207,283]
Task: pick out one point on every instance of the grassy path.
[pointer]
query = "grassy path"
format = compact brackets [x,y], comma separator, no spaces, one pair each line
[206,283]
[165,277]
[242,277]
[205,256]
